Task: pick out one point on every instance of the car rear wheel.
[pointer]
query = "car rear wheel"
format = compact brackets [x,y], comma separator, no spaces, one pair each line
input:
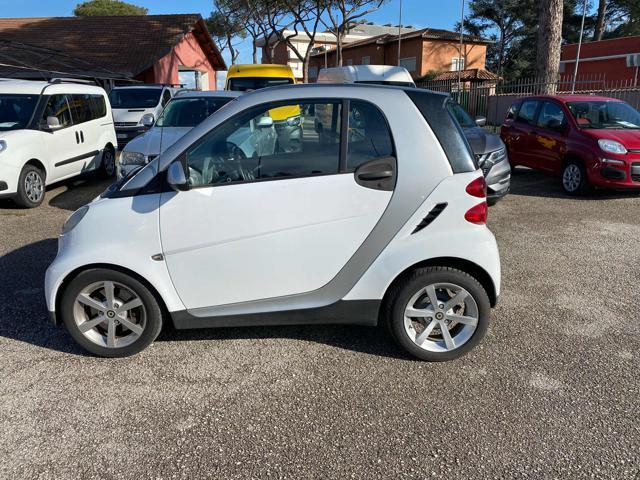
[31,187]
[438,313]
[574,178]
[110,314]
[108,167]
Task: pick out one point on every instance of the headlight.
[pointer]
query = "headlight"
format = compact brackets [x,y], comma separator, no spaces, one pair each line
[132,158]
[3,145]
[612,146]
[74,219]
[498,156]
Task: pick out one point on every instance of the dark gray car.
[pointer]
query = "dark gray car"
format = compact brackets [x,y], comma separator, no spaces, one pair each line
[490,153]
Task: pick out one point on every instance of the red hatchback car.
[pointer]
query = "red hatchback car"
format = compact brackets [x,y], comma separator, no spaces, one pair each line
[587,140]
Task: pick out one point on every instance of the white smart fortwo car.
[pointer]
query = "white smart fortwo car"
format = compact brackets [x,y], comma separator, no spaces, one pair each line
[379,219]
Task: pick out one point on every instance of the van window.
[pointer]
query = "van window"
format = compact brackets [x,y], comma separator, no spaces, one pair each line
[527,111]
[254,146]
[85,108]
[242,84]
[369,135]
[134,97]
[58,106]
[16,110]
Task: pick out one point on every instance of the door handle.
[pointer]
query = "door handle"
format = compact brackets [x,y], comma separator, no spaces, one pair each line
[77,137]
[82,136]
[373,176]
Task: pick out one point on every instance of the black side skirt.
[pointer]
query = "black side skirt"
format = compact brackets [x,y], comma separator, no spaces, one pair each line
[79,157]
[344,312]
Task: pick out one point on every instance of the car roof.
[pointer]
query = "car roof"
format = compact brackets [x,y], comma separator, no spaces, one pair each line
[208,93]
[575,97]
[347,87]
[260,70]
[144,85]
[37,87]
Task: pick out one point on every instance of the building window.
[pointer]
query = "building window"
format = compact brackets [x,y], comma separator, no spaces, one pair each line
[457,64]
[366,60]
[313,72]
[408,63]
[348,62]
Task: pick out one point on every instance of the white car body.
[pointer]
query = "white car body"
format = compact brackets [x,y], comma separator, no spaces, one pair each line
[371,74]
[157,139]
[315,249]
[61,153]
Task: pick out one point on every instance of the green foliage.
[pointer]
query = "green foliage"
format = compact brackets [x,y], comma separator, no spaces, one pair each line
[107,7]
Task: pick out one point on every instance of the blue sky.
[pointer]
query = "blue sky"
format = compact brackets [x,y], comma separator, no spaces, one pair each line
[420,13]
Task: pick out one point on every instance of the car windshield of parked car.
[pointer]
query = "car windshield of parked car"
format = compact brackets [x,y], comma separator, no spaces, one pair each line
[243,84]
[16,110]
[604,114]
[461,115]
[134,97]
[189,112]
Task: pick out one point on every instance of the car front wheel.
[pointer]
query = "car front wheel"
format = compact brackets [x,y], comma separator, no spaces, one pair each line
[438,313]
[110,314]
[574,178]
[31,187]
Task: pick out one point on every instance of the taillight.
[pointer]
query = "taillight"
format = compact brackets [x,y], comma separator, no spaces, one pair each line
[477,214]
[478,188]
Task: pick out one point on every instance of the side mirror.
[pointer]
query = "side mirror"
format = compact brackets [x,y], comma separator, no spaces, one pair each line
[265,122]
[148,120]
[481,121]
[53,124]
[176,177]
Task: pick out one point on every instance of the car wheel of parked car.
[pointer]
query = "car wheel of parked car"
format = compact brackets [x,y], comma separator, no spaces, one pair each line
[574,178]
[31,187]
[438,313]
[109,313]
[108,162]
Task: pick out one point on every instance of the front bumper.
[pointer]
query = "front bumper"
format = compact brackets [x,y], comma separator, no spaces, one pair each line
[605,175]
[125,135]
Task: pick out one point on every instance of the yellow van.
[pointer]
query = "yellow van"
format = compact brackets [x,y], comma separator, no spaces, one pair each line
[255,76]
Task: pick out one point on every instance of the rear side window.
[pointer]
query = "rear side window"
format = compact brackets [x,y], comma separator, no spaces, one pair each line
[434,109]
[527,112]
[85,107]
[369,135]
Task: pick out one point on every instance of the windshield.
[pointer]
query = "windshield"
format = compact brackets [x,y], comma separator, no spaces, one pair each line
[242,84]
[604,114]
[189,112]
[460,115]
[134,97]
[16,110]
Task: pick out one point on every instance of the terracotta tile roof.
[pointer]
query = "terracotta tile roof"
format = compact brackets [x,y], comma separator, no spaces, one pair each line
[425,33]
[470,75]
[126,45]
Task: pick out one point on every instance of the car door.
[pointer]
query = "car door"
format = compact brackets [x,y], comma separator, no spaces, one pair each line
[88,113]
[548,144]
[63,144]
[520,137]
[281,223]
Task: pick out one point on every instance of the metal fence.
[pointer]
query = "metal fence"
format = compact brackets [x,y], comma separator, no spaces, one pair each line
[492,100]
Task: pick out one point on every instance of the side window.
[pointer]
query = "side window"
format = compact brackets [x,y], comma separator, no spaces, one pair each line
[513,111]
[80,108]
[527,111]
[551,116]
[369,135]
[57,106]
[97,106]
[269,142]
[166,96]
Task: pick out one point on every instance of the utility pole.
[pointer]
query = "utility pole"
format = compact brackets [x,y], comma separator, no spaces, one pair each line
[575,67]
[399,32]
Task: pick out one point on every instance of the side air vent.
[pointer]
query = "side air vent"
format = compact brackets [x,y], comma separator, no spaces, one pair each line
[431,216]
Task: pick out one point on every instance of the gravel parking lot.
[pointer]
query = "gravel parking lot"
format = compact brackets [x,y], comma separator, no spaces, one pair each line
[552,392]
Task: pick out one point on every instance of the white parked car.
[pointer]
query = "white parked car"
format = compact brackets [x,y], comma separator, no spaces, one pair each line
[387,225]
[51,131]
[135,108]
[182,113]
[370,74]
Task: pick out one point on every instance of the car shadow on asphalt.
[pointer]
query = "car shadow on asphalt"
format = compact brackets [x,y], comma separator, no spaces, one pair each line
[534,183]
[24,317]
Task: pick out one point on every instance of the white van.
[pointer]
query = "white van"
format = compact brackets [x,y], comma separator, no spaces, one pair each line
[371,74]
[131,103]
[51,131]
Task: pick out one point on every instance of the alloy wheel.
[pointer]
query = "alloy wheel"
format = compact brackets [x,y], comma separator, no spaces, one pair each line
[109,314]
[571,178]
[109,162]
[441,317]
[34,186]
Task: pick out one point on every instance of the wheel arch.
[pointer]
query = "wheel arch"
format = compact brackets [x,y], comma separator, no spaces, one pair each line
[38,164]
[467,266]
[74,273]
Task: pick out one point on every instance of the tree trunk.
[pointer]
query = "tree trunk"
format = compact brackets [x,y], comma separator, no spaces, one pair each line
[339,49]
[549,43]
[602,10]
[305,66]
[255,51]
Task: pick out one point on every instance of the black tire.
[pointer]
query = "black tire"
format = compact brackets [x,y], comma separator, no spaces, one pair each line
[151,305]
[24,198]
[420,278]
[573,187]
[108,163]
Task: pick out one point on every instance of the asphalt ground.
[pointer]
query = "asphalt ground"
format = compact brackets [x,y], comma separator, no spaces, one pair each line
[552,392]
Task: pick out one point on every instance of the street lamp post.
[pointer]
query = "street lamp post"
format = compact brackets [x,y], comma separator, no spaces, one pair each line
[575,67]
[399,32]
